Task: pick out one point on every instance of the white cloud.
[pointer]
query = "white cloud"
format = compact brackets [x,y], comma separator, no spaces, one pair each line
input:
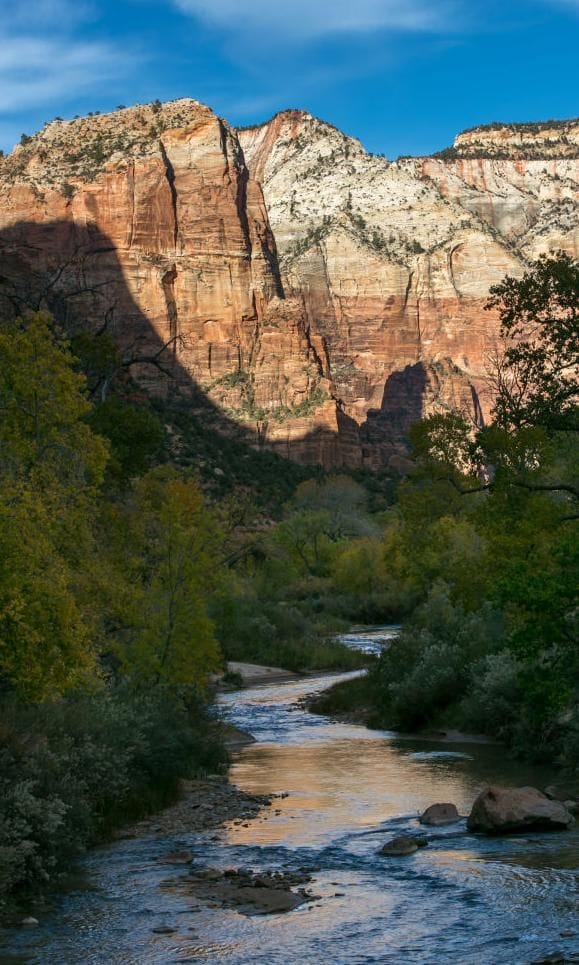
[44,58]
[34,14]
[313,19]
[36,71]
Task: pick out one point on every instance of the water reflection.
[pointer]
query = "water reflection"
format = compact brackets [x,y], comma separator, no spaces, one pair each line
[463,899]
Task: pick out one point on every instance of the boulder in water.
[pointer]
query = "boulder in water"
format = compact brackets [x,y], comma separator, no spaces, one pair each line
[438,814]
[499,810]
[400,846]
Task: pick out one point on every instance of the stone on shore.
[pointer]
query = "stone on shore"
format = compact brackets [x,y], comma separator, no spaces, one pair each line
[439,814]
[499,810]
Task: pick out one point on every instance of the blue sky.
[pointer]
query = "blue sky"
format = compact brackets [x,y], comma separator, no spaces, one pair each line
[402,75]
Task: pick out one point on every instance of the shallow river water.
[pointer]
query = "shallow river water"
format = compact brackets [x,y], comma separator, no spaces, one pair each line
[463,899]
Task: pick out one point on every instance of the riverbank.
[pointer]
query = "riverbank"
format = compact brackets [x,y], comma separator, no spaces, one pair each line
[203,805]
[257,675]
[76,771]
[347,703]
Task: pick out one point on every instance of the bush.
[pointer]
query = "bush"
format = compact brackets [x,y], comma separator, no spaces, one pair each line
[426,669]
[492,705]
[277,634]
[71,771]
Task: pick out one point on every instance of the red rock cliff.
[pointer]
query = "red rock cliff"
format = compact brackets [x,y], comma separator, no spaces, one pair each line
[321,296]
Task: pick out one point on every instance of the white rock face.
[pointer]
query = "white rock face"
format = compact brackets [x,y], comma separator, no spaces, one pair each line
[394,261]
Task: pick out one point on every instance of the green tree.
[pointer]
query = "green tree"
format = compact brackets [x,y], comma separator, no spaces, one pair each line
[43,404]
[135,435]
[166,635]
[536,373]
[51,465]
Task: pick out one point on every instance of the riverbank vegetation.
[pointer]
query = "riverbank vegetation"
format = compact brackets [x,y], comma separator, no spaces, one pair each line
[484,541]
[123,589]
[133,567]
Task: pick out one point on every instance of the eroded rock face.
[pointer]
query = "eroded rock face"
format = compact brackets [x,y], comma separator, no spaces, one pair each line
[321,297]
[394,261]
[499,810]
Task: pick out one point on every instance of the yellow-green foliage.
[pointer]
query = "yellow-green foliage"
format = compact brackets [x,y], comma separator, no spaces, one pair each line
[177,540]
[42,404]
[85,571]
[50,467]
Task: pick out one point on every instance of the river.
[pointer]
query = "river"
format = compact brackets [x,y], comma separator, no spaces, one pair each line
[463,899]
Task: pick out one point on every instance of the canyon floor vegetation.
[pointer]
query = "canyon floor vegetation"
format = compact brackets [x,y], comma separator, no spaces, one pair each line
[124,587]
[127,580]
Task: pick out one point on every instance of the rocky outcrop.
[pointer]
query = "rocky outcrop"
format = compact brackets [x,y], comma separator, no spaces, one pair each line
[500,810]
[248,892]
[146,221]
[322,298]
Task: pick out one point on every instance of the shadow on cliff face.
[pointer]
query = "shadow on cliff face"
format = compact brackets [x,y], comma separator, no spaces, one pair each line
[385,431]
[73,271]
[408,395]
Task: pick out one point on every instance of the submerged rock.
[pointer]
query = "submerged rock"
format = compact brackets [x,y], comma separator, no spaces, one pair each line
[249,892]
[177,857]
[438,814]
[498,810]
[558,958]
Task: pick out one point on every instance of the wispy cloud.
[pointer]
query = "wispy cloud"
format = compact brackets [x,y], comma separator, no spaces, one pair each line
[302,20]
[44,57]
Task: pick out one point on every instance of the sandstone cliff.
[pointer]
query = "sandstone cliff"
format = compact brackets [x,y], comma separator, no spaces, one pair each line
[394,260]
[320,296]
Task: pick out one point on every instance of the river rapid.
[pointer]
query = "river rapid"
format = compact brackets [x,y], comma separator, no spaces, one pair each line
[462,899]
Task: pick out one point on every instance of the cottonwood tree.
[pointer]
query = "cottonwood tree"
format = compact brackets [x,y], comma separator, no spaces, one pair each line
[164,634]
[536,377]
[51,466]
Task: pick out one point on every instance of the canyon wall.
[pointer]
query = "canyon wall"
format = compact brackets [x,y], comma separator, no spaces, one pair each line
[321,297]
[394,261]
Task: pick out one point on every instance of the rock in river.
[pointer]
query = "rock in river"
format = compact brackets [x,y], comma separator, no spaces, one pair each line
[438,814]
[498,810]
[402,844]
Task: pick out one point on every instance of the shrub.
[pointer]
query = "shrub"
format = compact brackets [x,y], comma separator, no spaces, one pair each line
[72,770]
[427,668]
[492,704]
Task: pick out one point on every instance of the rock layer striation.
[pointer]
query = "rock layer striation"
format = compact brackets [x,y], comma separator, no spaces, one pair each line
[319,296]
